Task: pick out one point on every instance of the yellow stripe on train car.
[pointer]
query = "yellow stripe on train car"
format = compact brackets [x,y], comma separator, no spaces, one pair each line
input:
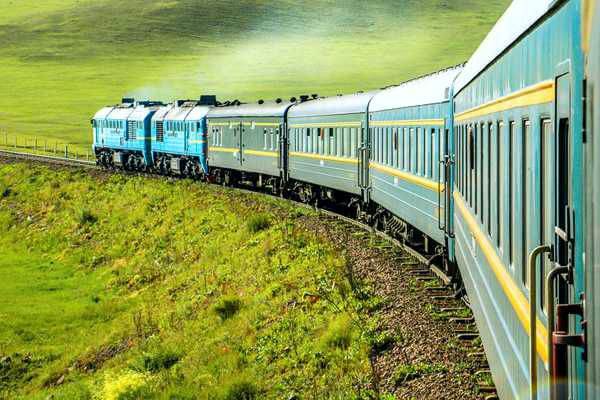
[324,157]
[409,122]
[261,153]
[408,177]
[540,93]
[351,124]
[515,296]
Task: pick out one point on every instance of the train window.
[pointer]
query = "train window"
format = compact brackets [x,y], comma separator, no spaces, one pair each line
[395,153]
[423,158]
[483,180]
[264,138]
[418,145]
[488,186]
[373,134]
[546,193]
[500,179]
[315,139]
[525,198]
[332,141]
[471,169]
[379,145]
[409,149]
[385,144]
[354,141]
[339,141]
[400,148]
[432,153]
[511,191]
[389,139]
[480,171]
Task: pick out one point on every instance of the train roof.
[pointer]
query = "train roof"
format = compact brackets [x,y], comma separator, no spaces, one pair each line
[140,113]
[127,111]
[103,113]
[335,105]
[517,19]
[193,113]
[266,109]
[430,89]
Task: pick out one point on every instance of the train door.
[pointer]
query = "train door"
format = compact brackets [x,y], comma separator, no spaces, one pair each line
[564,309]
[282,146]
[364,153]
[238,142]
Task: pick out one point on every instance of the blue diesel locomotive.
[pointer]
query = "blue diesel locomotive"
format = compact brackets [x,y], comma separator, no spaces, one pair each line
[121,134]
[491,169]
[179,137]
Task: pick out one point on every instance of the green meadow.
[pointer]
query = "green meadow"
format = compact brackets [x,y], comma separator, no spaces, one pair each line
[132,288]
[61,60]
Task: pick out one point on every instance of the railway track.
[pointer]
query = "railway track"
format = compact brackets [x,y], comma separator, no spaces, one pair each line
[420,266]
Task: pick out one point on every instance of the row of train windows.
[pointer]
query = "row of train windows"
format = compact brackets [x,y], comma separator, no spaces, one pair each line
[269,140]
[416,150]
[493,162]
[109,124]
[339,142]
[181,126]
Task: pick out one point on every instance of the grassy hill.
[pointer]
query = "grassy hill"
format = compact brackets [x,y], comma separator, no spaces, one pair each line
[133,288]
[63,59]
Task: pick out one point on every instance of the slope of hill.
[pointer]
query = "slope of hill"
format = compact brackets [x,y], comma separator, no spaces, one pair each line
[132,288]
[63,59]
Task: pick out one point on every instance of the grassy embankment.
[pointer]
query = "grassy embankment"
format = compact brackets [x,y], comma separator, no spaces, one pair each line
[123,288]
[61,60]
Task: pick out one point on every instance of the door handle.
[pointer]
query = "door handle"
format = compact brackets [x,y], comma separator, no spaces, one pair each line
[552,275]
[533,256]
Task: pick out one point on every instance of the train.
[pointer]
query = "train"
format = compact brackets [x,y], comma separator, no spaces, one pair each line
[490,168]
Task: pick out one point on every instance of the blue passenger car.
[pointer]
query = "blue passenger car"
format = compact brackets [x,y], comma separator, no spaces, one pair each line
[179,137]
[519,185]
[122,134]
[408,127]
[328,157]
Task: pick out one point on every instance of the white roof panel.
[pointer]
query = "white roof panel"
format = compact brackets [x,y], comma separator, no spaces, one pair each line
[120,113]
[335,105]
[198,113]
[431,89]
[517,19]
[103,112]
[162,112]
[141,113]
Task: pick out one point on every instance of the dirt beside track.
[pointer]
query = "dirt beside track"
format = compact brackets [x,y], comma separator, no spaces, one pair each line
[428,361]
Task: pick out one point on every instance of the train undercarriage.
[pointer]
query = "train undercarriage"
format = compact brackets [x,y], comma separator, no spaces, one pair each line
[127,160]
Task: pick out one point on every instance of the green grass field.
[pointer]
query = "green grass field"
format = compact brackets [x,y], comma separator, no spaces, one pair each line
[133,288]
[61,60]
